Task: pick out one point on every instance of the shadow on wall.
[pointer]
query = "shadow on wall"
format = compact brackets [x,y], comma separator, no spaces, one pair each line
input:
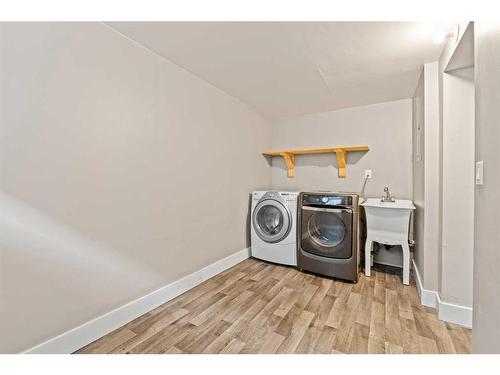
[49,269]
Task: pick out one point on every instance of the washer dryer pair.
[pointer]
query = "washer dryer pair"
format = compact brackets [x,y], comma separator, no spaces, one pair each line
[273,228]
[321,236]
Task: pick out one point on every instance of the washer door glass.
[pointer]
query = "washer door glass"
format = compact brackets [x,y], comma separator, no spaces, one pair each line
[271,221]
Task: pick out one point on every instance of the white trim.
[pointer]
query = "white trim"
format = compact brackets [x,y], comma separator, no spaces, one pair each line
[86,333]
[428,297]
[452,313]
[448,312]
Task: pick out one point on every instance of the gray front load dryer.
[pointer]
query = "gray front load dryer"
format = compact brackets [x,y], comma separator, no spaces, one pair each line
[327,234]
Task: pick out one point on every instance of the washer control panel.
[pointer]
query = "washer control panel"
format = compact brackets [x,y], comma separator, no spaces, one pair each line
[289,197]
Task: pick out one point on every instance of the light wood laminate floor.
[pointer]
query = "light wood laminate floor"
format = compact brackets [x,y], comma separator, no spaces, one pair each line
[258,307]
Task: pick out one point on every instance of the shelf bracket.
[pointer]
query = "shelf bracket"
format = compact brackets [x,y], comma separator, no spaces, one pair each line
[290,163]
[341,162]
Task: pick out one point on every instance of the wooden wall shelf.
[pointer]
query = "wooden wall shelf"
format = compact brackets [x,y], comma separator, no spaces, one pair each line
[289,156]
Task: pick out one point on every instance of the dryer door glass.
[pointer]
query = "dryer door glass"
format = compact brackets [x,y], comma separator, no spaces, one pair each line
[327,232]
[271,221]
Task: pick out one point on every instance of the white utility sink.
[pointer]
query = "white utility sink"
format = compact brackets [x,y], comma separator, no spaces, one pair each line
[398,203]
[388,223]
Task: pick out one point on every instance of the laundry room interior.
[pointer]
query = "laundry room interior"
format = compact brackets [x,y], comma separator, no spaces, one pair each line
[249,187]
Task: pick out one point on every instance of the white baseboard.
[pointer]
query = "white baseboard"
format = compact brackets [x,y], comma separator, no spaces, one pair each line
[448,312]
[428,298]
[453,313]
[80,336]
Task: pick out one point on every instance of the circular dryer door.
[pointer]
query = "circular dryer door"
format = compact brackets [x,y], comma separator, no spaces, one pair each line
[271,221]
[327,232]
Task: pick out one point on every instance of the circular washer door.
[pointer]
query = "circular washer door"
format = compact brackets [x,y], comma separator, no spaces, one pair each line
[271,221]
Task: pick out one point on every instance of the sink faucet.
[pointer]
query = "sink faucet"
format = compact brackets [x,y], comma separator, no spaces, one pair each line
[387,197]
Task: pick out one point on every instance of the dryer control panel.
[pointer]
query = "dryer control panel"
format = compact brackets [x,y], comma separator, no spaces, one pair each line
[327,200]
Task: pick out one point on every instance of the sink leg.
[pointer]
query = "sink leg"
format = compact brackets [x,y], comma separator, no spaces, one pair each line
[368,255]
[406,263]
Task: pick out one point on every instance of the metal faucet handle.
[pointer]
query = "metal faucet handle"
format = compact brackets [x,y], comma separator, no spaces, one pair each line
[387,197]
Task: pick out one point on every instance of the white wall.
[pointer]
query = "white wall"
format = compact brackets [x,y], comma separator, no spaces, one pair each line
[432,187]
[447,177]
[486,325]
[386,128]
[458,187]
[457,171]
[120,172]
[426,175]
[418,178]
[452,48]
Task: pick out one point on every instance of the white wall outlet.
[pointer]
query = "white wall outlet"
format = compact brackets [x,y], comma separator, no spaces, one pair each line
[479,172]
[368,173]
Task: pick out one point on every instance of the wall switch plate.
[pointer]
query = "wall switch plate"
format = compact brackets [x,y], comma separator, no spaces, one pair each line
[368,173]
[479,172]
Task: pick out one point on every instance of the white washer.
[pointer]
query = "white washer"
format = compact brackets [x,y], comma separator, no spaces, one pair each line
[273,227]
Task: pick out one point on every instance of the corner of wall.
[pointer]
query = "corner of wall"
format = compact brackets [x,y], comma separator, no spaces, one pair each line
[448,312]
